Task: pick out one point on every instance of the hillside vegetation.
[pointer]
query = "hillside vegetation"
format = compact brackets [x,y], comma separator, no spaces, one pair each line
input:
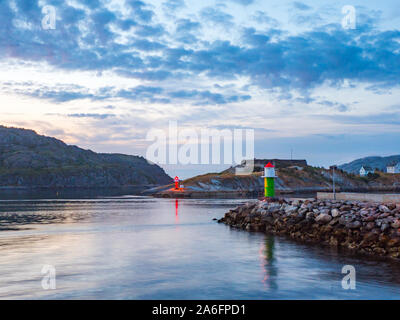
[31,160]
[292,179]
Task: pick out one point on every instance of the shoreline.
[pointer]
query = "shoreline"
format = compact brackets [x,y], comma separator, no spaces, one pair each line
[309,192]
[362,227]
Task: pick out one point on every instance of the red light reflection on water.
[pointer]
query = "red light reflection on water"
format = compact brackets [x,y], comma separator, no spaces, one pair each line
[176,211]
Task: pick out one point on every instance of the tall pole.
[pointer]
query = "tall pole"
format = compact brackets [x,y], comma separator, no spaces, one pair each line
[333,182]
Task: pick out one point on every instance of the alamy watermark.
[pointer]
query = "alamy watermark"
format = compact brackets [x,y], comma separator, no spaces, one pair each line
[189,146]
[349,280]
[349,19]
[49,19]
[49,277]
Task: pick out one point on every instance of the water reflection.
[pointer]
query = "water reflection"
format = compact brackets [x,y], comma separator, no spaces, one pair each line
[268,267]
[16,216]
[131,248]
[68,193]
[176,211]
[24,214]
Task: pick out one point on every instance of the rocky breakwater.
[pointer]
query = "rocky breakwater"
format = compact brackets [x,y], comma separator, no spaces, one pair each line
[370,228]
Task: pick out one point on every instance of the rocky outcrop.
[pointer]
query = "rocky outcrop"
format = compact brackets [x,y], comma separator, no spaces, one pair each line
[31,160]
[379,163]
[369,228]
[293,180]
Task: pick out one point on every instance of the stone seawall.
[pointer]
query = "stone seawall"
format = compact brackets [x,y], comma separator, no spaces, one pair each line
[349,196]
[369,228]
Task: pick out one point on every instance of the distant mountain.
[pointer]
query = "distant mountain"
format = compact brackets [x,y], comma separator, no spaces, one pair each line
[373,162]
[32,160]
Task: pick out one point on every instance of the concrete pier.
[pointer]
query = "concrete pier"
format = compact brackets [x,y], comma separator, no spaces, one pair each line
[349,196]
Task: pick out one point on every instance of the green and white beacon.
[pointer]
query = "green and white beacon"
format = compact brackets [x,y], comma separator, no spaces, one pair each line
[269,180]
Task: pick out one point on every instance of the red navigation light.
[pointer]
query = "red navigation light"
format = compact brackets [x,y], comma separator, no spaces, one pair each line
[269,165]
[176,183]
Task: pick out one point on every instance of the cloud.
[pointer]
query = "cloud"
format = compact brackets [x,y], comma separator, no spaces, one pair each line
[146,45]
[207,97]
[187,25]
[262,18]
[202,67]
[140,11]
[96,38]
[57,93]
[150,31]
[98,116]
[334,105]
[173,5]
[186,30]
[143,93]
[217,16]
[61,93]
[151,75]
[378,119]
[301,6]
[244,2]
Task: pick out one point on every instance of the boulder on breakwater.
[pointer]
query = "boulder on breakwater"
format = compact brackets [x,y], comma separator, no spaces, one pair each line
[370,228]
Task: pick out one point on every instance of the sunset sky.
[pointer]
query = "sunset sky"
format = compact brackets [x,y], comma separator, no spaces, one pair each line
[112,70]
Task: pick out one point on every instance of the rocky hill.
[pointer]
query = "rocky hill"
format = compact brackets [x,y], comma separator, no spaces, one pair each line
[379,163]
[293,180]
[31,160]
[306,179]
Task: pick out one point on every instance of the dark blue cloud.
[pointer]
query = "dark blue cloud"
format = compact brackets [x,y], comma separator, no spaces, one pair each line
[146,45]
[173,5]
[262,18]
[269,59]
[301,6]
[71,15]
[98,116]
[140,92]
[251,36]
[92,4]
[149,94]
[58,95]
[187,25]
[217,16]
[334,105]
[28,9]
[244,2]
[151,75]
[126,24]
[186,30]
[150,31]
[388,118]
[139,10]
[207,97]
[6,16]
[101,25]
[309,18]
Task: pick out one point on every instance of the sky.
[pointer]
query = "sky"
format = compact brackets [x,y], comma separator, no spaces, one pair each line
[112,70]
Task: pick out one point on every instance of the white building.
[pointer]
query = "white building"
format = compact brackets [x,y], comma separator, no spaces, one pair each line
[393,168]
[365,170]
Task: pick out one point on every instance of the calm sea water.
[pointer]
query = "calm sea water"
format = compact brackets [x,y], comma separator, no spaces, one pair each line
[145,248]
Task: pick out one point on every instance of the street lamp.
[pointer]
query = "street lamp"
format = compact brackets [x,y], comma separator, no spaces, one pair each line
[333,181]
